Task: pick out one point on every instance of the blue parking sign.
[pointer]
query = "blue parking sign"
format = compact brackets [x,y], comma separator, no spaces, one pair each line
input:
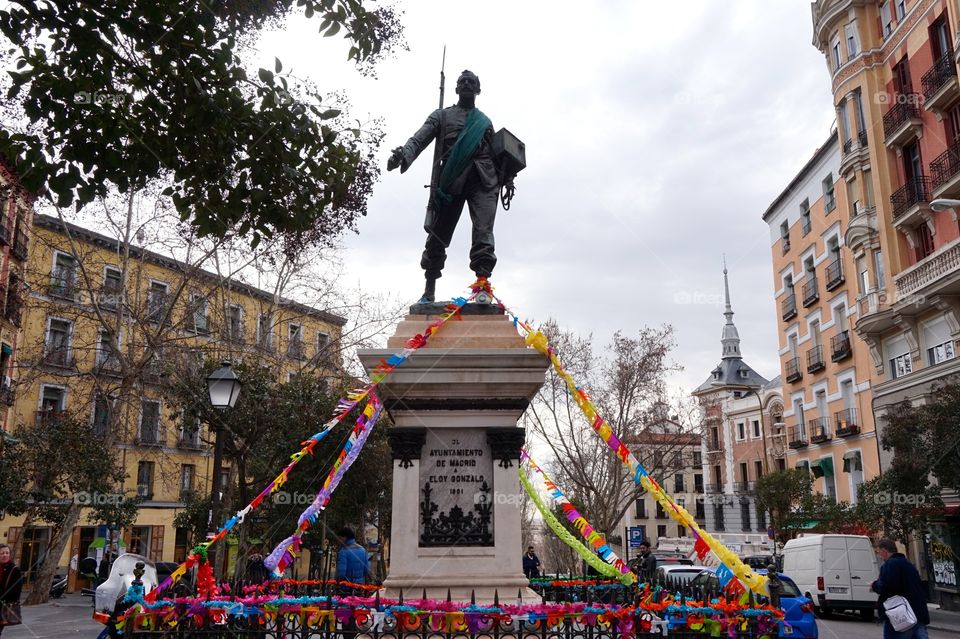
[636,535]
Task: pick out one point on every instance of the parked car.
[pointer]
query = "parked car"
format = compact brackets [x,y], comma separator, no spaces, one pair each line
[760,562]
[835,571]
[798,618]
[672,558]
[680,573]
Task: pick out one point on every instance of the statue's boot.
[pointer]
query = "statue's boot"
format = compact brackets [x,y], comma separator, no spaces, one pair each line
[429,292]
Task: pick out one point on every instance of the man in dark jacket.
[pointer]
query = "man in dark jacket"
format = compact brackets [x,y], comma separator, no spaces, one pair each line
[531,564]
[899,577]
[645,564]
[11,583]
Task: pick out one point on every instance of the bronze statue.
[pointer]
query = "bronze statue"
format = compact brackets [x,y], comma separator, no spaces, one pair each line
[774,586]
[467,174]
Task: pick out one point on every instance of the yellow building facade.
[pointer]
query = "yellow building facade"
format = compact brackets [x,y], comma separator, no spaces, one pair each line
[105,328]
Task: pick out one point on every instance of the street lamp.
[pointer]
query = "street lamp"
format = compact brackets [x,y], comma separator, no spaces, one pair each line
[224,388]
[944,204]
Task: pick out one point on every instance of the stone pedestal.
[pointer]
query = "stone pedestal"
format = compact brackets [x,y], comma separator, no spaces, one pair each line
[455,446]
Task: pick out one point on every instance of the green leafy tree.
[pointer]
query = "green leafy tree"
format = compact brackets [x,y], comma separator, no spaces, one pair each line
[109,96]
[782,494]
[59,484]
[13,490]
[883,505]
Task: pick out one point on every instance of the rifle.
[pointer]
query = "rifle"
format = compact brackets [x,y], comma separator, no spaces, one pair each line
[437,152]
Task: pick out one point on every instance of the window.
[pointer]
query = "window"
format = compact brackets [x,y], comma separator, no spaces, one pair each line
[744,474]
[144,484]
[678,483]
[180,545]
[697,459]
[641,508]
[265,331]
[52,400]
[140,540]
[102,407]
[835,51]
[858,113]
[112,292]
[157,301]
[798,411]
[761,519]
[853,44]
[295,341]
[718,522]
[924,245]
[937,340]
[785,236]
[853,466]
[863,276]
[661,531]
[741,435]
[804,464]
[698,482]
[845,127]
[901,9]
[235,323]
[745,514]
[829,479]
[187,474]
[886,19]
[900,365]
[902,83]
[940,38]
[63,279]
[149,421]
[106,358]
[758,469]
[805,224]
[681,531]
[57,345]
[829,200]
[323,342]
[190,430]
[197,321]
[661,513]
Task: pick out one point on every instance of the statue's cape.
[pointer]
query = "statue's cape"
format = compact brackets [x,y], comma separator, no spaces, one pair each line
[461,153]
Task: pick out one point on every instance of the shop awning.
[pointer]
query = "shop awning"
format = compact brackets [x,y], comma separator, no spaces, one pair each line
[822,467]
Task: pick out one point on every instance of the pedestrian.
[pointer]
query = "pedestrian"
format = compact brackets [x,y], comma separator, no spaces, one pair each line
[531,564]
[352,562]
[644,565]
[256,571]
[11,582]
[900,577]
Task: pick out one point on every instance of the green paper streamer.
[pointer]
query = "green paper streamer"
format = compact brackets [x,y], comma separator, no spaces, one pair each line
[567,537]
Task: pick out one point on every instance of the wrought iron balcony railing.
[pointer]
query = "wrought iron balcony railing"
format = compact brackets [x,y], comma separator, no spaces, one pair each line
[789,307]
[834,274]
[938,75]
[840,347]
[915,191]
[905,108]
[793,371]
[19,249]
[815,359]
[797,437]
[846,423]
[945,166]
[819,429]
[811,290]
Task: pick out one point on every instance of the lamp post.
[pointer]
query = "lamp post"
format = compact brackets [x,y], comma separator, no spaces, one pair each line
[223,386]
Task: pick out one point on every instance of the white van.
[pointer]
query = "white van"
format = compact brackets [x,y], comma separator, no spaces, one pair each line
[834,571]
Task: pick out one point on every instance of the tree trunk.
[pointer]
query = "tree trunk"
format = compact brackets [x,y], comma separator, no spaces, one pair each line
[59,537]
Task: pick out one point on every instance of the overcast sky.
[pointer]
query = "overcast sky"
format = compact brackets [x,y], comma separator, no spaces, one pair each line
[655,140]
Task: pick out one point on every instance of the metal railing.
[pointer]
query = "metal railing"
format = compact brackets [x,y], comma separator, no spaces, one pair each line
[945,166]
[811,290]
[815,359]
[819,429]
[905,108]
[834,274]
[840,346]
[784,245]
[862,138]
[789,306]
[938,75]
[797,436]
[915,191]
[19,249]
[792,368]
[846,423]
[57,356]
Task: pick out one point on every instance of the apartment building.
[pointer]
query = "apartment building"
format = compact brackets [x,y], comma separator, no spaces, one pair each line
[16,213]
[676,455]
[104,333]
[740,408]
[893,71]
[826,372]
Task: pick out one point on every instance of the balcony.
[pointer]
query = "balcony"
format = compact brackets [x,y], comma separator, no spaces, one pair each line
[834,274]
[49,417]
[110,297]
[945,172]
[937,268]
[805,225]
[876,315]
[902,122]
[797,437]
[106,364]
[150,435]
[713,489]
[940,89]
[789,307]
[743,486]
[840,348]
[784,245]
[862,138]
[296,350]
[819,430]
[811,291]
[19,249]
[58,357]
[792,368]
[63,285]
[845,422]
[815,361]
[906,202]
[189,441]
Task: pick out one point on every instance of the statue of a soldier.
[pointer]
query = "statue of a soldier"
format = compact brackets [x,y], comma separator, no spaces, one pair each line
[468,175]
